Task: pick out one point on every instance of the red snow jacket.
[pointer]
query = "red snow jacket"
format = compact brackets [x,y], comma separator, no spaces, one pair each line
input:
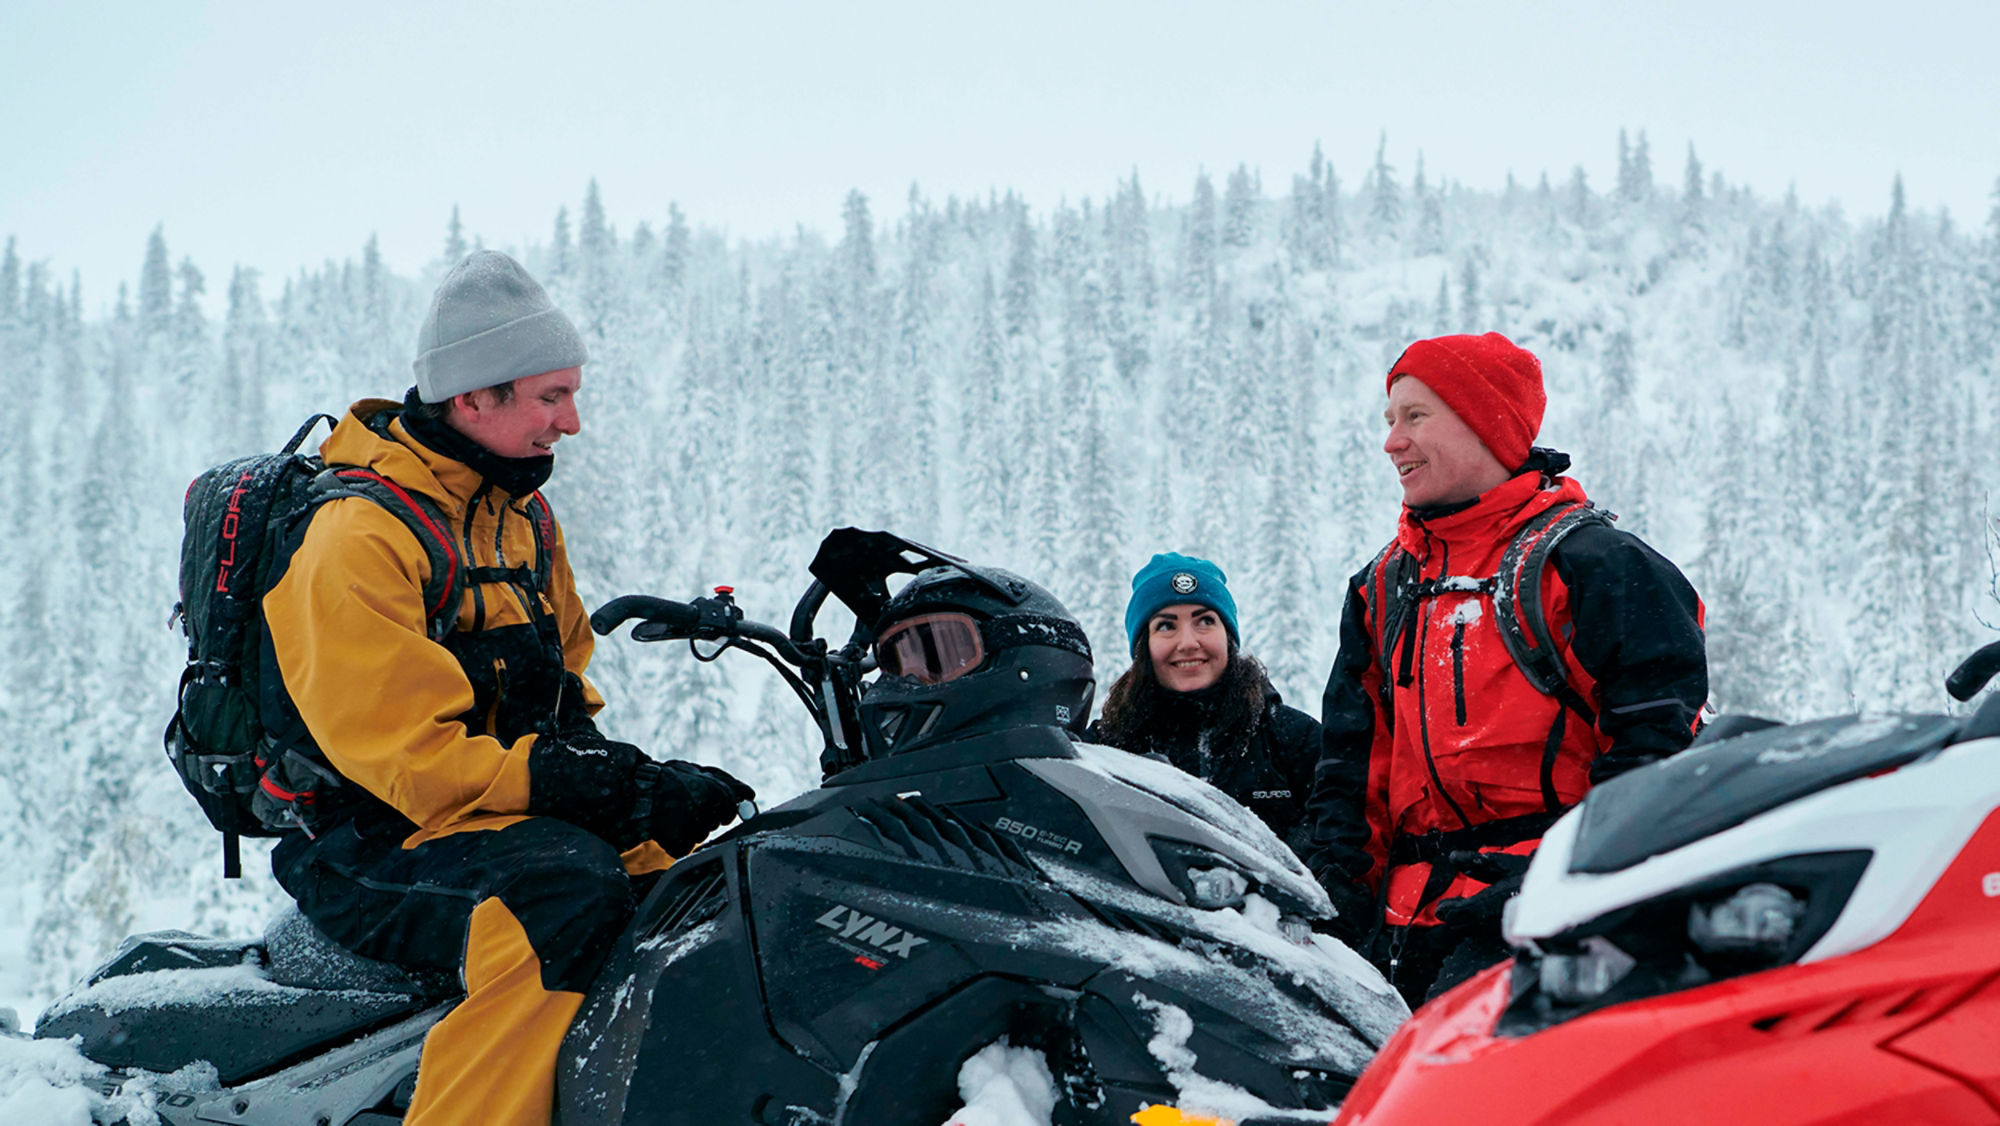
[1470,755]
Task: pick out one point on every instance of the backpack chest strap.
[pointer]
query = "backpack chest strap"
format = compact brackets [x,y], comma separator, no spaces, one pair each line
[1516,590]
[1453,584]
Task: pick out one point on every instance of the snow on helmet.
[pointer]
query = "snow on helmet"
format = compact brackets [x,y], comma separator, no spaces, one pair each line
[960,657]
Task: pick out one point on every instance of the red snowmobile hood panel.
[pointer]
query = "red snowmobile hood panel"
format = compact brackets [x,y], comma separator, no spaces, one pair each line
[1901,1031]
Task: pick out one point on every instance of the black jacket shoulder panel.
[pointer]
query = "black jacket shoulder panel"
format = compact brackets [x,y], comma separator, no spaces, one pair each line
[1635,627]
[1336,808]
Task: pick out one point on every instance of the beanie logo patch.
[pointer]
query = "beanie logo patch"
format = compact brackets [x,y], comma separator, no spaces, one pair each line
[1184,583]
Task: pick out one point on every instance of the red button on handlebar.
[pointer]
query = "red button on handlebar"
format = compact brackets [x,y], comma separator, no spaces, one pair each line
[725,590]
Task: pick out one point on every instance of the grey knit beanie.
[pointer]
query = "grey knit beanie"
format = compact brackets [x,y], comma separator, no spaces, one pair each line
[490,323]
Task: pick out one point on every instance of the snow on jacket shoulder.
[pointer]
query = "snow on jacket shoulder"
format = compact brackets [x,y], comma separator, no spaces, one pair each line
[393,711]
[1470,741]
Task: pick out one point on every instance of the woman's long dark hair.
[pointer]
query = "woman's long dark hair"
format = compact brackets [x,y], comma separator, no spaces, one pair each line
[1142,715]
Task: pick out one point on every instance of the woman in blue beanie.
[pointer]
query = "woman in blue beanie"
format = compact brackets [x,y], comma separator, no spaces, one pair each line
[1195,698]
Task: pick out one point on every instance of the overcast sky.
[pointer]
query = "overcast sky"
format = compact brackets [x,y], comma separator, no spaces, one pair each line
[278,135]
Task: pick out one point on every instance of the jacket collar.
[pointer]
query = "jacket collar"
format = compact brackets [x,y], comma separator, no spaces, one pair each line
[515,476]
[1493,518]
[400,456]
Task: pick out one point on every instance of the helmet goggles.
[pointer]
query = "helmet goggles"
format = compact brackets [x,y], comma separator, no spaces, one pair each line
[931,648]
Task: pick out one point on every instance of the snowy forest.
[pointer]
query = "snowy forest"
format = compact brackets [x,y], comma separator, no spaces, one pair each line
[1787,401]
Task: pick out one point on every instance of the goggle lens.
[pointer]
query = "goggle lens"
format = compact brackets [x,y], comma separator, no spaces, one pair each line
[932,648]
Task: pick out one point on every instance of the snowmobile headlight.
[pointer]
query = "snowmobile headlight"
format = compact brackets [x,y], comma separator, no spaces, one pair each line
[1743,921]
[1588,973]
[1754,924]
[1216,888]
[1206,879]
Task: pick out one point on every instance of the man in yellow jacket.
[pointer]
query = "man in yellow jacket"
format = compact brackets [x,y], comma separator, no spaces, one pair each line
[480,822]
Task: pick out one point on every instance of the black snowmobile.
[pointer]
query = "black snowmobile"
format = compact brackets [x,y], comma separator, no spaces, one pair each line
[967,873]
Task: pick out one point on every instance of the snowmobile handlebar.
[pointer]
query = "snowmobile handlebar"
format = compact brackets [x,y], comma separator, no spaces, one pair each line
[824,680]
[1972,674]
[645,607]
[852,566]
[703,619]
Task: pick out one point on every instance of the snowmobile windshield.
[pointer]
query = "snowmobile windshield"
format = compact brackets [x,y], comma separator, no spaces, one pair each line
[931,648]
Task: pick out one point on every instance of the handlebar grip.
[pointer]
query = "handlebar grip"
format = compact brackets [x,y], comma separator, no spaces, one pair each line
[672,616]
[1969,677]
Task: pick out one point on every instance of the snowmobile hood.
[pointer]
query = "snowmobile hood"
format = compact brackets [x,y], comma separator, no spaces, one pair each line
[1707,789]
[1909,822]
[1824,960]
[1136,803]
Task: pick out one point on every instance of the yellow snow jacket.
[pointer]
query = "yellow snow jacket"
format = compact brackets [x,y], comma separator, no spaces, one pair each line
[393,711]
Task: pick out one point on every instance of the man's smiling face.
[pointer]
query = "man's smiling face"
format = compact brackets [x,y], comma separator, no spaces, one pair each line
[1437,456]
[528,423]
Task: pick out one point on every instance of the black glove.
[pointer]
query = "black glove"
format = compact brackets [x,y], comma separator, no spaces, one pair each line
[572,709]
[680,803]
[1354,907]
[1480,912]
[583,778]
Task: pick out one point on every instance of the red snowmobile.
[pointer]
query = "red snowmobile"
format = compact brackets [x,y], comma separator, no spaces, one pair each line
[1785,924]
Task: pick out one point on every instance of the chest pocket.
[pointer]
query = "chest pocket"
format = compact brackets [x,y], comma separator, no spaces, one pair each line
[1513,596]
[517,680]
[507,640]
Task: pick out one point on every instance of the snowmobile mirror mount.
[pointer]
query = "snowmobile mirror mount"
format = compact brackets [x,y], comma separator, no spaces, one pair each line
[856,565]
[1973,673]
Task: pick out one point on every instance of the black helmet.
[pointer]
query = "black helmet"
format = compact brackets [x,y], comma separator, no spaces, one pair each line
[966,652]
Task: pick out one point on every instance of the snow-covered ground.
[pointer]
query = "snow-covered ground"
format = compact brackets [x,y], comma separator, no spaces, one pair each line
[18,1007]
[47,1083]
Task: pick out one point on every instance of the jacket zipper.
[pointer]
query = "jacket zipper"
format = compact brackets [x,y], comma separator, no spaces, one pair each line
[1423,704]
[499,694]
[1458,670]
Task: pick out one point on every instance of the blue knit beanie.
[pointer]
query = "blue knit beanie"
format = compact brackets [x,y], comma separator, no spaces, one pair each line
[1172,579]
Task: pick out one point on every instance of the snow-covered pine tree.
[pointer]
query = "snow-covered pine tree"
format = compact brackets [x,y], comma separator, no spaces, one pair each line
[675,249]
[987,481]
[1335,217]
[1385,199]
[1430,214]
[1582,204]
[454,238]
[1239,209]
[245,352]
[1641,185]
[1023,270]
[1470,296]
[1198,250]
[10,283]
[156,285]
[1693,203]
[561,258]
[595,248]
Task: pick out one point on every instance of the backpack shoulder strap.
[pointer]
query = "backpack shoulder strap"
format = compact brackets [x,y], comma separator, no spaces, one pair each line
[425,520]
[299,437]
[544,523]
[1517,601]
[1388,587]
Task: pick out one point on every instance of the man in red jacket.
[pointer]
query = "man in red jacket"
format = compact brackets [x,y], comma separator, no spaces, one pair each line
[1447,753]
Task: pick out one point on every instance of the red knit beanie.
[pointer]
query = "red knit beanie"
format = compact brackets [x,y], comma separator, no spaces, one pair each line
[1489,381]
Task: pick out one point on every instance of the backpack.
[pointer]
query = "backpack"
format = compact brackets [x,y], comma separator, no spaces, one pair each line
[1516,590]
[243,519]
